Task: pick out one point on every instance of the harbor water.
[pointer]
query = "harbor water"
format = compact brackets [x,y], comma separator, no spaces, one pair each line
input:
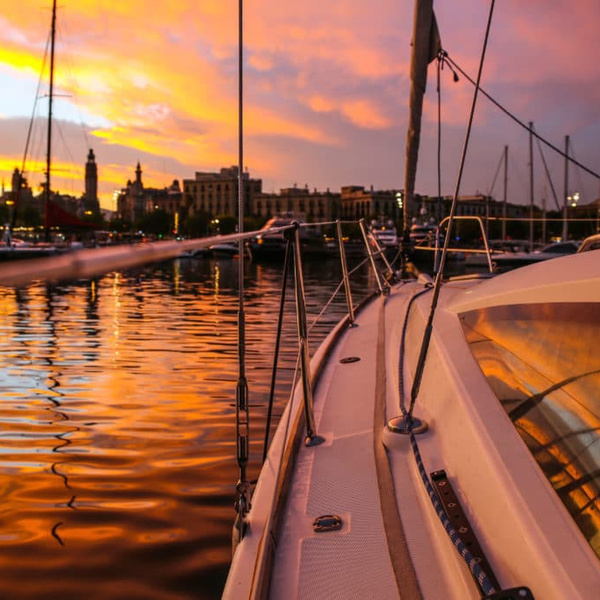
[117,423]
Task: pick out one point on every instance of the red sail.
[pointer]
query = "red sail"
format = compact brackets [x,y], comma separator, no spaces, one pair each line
[59,217]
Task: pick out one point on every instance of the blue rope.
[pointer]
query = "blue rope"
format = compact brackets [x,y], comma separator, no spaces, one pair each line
[478,573]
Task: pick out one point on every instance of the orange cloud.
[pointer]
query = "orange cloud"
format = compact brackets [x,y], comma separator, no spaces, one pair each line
[159,81]
[364,113]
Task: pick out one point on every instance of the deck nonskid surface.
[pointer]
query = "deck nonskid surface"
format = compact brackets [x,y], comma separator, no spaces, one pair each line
[339,477]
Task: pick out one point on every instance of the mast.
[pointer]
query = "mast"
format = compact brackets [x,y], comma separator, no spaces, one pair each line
[531,194]
[565,228]
[544,214]
[504,197]
[425,47]
[50,99]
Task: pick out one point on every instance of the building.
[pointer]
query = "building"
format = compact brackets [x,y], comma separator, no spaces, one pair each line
[358,203]
[478,205]
[312,206]
[20,195]
[216,194]
[136,201]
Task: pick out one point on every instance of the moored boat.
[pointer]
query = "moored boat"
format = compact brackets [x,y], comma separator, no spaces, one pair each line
[547,252]
[447,446]
[385,232]
[270,243]
[507,405]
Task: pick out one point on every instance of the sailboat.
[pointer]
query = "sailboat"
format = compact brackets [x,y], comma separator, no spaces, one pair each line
[54,214]
[448,445]
[443,442]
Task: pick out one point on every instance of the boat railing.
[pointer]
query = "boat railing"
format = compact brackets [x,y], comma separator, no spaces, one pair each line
[437,246]
[374,253]
[298,417]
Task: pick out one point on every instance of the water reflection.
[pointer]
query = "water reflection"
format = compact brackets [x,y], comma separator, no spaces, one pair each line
[117,428]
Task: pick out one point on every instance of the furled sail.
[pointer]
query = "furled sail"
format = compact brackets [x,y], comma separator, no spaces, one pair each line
[426,44]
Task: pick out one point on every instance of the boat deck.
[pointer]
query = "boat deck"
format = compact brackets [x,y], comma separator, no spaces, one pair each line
[368,557]
[344,483]
[391,543]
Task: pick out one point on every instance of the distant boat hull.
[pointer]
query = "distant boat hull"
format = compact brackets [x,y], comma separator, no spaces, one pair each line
[25,252]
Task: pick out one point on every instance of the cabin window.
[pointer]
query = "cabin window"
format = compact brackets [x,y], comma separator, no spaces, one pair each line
[542,362]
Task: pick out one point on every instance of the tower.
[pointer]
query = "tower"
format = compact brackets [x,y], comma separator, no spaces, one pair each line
[17,180]
[91,182]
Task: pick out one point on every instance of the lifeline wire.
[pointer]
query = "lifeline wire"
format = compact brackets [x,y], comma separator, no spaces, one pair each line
[29,130]
[286,269]
[439,274]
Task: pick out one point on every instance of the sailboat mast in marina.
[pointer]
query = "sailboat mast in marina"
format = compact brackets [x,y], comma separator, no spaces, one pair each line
[49,134]
[426,44]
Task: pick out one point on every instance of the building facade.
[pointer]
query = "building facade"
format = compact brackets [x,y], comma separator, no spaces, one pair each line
[136,201]
[358,203]
[312,206]
[216,194]
[478,205]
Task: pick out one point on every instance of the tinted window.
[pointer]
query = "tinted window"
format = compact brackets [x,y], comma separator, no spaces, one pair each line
[542,362]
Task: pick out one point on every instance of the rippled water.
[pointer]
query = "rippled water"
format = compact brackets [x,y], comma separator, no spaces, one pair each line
[117,424]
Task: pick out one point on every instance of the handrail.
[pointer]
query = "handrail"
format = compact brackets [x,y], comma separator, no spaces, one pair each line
[345,276]
[383,287]
[312,439]
[483,236]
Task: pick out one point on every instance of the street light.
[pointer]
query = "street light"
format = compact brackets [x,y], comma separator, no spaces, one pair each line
[574,199]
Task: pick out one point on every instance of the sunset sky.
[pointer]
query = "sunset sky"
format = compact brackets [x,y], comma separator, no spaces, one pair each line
[326,89]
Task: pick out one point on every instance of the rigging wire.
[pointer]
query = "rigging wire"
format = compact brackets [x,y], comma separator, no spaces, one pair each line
[518,121]
[548,177]
[29,134]
[478,573]
[500,163]
[438,279]
[242,503]
[71,71]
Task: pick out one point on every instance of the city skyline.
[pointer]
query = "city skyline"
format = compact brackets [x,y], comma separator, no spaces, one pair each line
[325,93]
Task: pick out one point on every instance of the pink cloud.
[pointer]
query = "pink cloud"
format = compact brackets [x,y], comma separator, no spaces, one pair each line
[321,75]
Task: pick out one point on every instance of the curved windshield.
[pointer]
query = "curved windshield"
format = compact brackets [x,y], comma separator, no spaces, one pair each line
[542,362]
